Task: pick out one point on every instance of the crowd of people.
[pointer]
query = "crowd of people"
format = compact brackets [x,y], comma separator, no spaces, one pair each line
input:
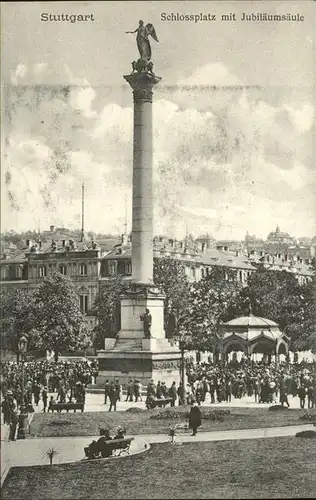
[68,379]
[264,382]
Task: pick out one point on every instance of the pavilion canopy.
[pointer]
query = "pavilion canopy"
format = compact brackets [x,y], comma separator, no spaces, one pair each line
[253,334]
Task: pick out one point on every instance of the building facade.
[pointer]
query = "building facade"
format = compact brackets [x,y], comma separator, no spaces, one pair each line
[88,265]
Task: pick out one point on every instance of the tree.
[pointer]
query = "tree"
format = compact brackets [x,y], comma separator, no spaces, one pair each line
[59,324]
[277,295]
[213,301]
[107,307]
[170,278]
[17,318]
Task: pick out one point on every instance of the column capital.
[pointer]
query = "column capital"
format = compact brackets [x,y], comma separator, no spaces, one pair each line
[142,84]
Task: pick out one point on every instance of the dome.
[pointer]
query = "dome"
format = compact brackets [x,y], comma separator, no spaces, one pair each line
[254,321]
[250,328]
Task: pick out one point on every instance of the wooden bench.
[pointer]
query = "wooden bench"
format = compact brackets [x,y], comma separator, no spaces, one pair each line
[66,406]
[158,402]
[114,448]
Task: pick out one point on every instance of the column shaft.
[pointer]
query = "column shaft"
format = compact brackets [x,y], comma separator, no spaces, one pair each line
[142,225]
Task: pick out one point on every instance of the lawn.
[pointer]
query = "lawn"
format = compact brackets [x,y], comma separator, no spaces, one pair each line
[263,468]
[88,424]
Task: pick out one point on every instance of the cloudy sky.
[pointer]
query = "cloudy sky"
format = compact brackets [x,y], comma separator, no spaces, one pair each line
[234,118]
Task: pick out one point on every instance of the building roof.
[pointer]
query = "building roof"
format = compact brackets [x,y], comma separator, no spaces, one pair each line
[254,334]
[251,328]
[16,258]
[214,257]
[251,320]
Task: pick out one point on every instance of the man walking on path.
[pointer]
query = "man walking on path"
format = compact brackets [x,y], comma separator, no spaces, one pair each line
[173,393]
[181,394]
[302,395]
[137,391]
[14,418]
[195,418]
[44,398]
[130,390]
[118,390]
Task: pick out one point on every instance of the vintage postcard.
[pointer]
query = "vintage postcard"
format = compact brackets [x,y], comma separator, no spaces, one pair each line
[158,249]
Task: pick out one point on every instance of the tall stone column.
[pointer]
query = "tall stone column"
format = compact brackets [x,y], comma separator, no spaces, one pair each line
[142,84]
[134,354]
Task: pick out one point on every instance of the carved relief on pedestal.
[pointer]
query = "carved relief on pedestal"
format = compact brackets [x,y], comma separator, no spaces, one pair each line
[166,364]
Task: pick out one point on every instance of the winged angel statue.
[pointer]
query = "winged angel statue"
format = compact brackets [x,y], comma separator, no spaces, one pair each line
[143,45]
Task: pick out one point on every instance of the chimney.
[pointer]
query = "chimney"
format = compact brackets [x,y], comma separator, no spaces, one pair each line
[237,253]
[28,243]
[124,239]
[203,247]
[40,245]
[52,228]
[63,243]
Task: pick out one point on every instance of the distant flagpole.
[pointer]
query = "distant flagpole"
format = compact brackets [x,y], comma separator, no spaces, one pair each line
[82,212]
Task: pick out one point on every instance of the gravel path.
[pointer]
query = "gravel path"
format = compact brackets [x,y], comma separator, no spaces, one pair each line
[32,451]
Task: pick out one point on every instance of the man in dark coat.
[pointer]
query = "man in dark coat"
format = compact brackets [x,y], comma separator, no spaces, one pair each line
[302,395]
[106,391]
[118,390]
[130,391]
[14,418]
[113,396]
[195,418]
[137,391]
[36,392]
[44,398]
[181,394]
[97,447]
[158,390]
[173,393]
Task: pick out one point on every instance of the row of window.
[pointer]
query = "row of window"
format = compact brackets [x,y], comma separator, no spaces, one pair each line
[83,270]
[113,268]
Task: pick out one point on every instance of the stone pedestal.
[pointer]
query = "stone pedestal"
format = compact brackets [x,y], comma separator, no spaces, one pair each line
[131,355]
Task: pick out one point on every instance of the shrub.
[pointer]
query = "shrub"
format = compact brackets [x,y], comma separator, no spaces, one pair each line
[306,434]
[51,453]
[277,408]
[135,410]
[173,413]
[60,422]
[310,417]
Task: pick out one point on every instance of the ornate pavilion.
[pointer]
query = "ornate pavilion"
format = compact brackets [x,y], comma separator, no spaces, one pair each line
[252,334]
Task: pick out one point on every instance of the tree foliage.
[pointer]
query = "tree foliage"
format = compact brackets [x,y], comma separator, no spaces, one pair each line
[277,295]
[59,324]
[107,308]
[170,278]
[17,317]
[213,301]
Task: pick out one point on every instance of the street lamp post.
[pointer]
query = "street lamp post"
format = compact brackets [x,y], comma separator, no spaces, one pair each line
[181,346]
[22,347]
[182,338]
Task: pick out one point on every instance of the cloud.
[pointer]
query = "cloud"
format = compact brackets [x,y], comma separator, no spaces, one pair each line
[238,164]
[210,74]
